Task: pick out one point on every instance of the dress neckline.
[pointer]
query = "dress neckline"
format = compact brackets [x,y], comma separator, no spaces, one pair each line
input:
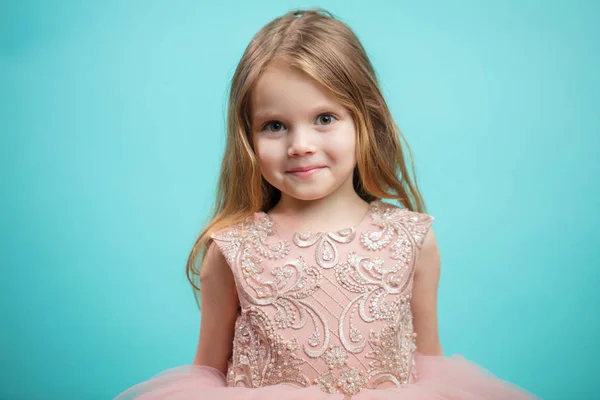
[372,206]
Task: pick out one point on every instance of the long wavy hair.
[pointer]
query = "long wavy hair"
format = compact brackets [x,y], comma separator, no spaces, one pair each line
[327,50]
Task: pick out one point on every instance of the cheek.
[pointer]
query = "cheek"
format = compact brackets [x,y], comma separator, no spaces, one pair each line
[267,152]
[343,147]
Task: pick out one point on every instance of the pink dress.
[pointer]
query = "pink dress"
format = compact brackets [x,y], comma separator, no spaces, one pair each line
[327,316]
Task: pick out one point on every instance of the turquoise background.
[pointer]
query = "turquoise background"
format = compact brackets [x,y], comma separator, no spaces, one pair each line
[112,128]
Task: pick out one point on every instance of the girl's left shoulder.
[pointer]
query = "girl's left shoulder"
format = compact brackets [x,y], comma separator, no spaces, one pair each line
[417,223]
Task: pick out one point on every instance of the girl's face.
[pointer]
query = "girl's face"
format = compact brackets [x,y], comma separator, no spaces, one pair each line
[304,139]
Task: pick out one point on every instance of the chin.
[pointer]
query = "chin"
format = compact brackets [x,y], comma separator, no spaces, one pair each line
[308,195]
[308,198]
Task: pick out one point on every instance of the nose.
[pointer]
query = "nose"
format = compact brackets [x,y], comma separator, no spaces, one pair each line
[301,143]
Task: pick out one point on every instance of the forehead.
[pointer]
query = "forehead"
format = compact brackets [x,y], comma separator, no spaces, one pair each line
[287,90]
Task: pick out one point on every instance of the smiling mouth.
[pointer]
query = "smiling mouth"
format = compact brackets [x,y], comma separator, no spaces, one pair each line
[306,172]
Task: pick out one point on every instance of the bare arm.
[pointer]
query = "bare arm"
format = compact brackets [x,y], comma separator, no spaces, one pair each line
[219,304]
[424,298]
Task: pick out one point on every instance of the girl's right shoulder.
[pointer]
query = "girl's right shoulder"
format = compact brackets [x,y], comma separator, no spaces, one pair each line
[229,238]
[240,229]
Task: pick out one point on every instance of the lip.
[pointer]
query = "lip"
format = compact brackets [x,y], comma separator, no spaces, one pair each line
[306,171]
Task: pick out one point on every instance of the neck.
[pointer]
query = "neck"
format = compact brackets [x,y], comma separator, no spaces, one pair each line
[340,209]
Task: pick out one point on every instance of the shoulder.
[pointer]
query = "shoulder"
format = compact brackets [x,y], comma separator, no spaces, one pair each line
[234,236]
[414,217]
[401,213]
[429,261]
[418,224]
[212,263]
[239,229]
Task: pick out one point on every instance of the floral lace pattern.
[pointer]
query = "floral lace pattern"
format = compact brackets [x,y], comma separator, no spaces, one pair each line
[331,308]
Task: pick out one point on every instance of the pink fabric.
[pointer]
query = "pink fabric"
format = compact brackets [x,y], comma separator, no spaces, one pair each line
[327,315]
[442,378]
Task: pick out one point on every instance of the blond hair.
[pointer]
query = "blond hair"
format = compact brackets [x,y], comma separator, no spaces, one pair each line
[327,50]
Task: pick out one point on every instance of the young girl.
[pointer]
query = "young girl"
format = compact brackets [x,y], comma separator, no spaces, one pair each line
[311,286]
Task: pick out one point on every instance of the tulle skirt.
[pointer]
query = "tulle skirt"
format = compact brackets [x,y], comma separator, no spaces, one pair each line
[439,378]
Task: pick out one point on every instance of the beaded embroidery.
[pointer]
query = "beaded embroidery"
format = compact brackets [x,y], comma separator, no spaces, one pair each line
[338,316]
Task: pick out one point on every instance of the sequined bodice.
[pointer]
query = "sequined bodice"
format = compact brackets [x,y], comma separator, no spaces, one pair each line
[332,308]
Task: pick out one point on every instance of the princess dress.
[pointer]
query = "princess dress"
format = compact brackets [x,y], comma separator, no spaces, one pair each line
[327,316]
